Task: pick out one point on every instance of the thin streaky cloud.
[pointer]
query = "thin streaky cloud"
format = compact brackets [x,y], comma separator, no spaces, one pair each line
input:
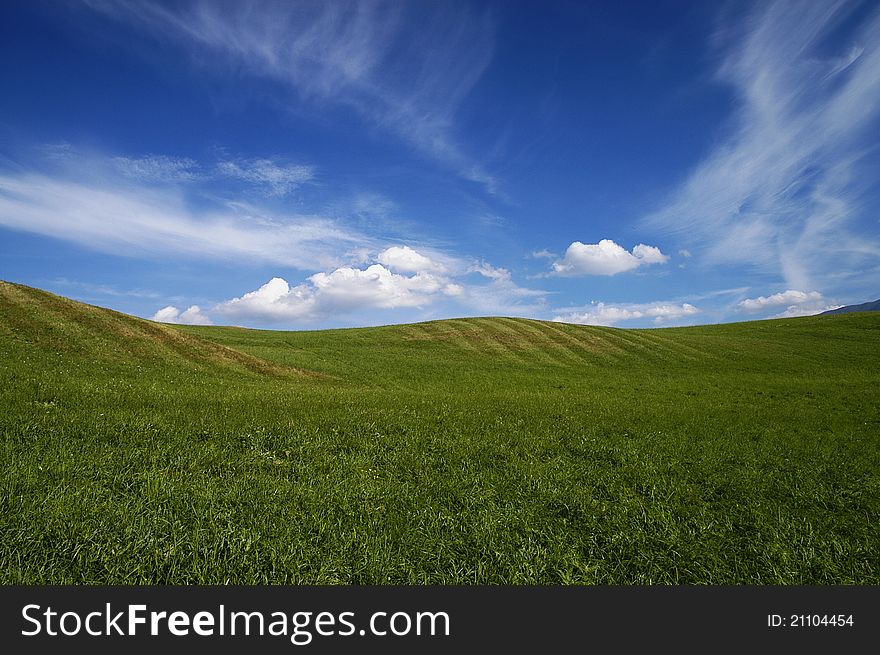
[273,177]
[103,289]
[158,168]
[405,73]
[132,219]
[278,179]
[782,192]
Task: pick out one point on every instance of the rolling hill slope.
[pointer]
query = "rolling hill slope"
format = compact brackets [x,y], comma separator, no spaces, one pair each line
[873,306]
[513,346]
[484,450]
[48,326]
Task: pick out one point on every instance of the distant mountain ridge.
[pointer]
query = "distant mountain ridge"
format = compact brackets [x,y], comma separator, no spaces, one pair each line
[864,307]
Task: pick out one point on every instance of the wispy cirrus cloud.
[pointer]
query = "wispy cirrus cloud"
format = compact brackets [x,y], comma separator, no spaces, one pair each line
[142,219]
[278,179]
[782,191]
[157,168]
[406,69]
[270,176]
[501,295]
[144,207]
[102,289]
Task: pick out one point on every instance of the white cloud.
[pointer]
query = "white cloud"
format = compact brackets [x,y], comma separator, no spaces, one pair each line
[790,297]
[797,303]
[783,189]
[343,290]
[493,273]
[157,168]
[89,203]
[406,279]
[167,314]
[604,314]
[648,254]
[605,258]
[375,286]
[805,310]
[135,219]
[191,316]
[453,289]
[406,260]
[404,69]
[501,296]
[277,179]
[274,301]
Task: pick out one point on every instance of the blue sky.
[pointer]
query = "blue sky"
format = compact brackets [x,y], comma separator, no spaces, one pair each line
[308,165]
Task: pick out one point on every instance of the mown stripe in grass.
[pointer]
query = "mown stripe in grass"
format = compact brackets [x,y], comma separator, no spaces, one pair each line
[543,343]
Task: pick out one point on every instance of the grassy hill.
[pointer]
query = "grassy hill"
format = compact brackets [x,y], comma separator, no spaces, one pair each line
[488,450]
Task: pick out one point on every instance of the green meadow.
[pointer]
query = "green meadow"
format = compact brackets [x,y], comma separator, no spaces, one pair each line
[470,451]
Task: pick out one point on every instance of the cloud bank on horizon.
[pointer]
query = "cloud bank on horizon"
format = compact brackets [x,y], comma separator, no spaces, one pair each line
[351,163]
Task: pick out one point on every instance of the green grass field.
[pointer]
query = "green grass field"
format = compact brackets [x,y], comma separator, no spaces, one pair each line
[472,451]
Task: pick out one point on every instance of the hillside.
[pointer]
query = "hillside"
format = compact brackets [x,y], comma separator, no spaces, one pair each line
[864,307]
[486,450]
[440,352]
[53,330]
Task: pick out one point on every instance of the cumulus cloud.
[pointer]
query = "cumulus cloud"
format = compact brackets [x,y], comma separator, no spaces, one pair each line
[345,289]
[605,258]
[402,278]
[274,301]
[375,286]
[277,179]
[406,260]
[605,314]
[342,290]
[790,297]
[191,316]
[797,303]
